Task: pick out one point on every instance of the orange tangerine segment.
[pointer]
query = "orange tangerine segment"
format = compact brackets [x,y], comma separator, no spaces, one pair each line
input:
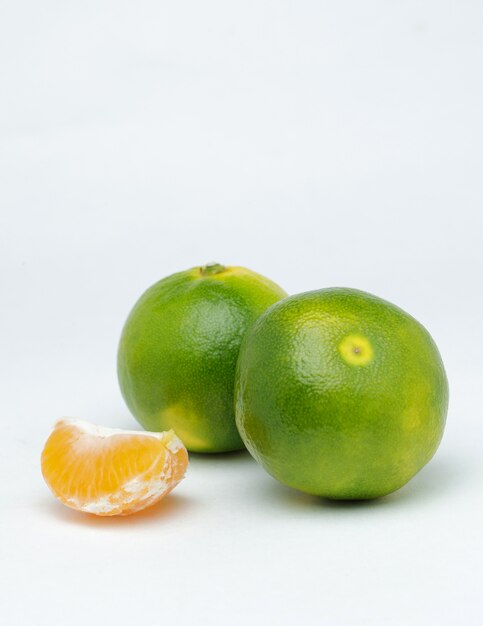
[107,471]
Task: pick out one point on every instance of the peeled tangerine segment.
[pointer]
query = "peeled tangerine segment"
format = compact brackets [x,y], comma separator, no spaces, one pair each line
[107,471]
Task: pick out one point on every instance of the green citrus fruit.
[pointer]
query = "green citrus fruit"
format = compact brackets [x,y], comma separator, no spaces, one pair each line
[340,394]
[178,351]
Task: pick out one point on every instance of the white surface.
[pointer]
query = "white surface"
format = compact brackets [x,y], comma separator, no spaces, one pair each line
[319,143]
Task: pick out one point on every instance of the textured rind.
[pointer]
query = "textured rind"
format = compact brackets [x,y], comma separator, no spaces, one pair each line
[178,351]
[322,425]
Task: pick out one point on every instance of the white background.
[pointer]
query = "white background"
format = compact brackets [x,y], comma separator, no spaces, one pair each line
[319,143]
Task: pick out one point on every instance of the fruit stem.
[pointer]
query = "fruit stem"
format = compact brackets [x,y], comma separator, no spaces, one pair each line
[212,268]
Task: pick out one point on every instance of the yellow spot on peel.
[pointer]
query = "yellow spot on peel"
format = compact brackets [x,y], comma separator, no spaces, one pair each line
[412,420]
[185,421]
[356,350]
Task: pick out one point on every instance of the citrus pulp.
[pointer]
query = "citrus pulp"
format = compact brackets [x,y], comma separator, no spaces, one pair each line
[107,471]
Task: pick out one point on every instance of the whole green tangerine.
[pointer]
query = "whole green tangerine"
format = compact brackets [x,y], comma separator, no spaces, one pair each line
[178,351]
[340,394]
